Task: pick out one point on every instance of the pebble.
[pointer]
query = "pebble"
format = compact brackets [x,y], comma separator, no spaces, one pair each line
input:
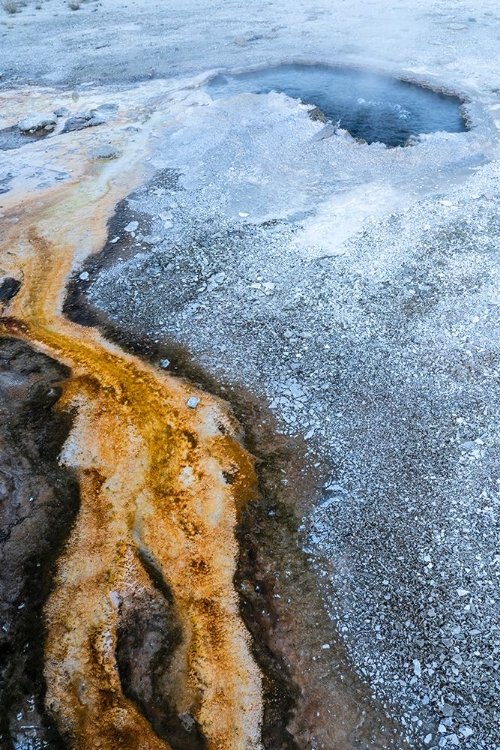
[104,152]
[83,120]
[164,363]
[132,226]
[9,287]
[84,276]
[36,123]
[325,132]
[466,732]
[107,107]
[193,402]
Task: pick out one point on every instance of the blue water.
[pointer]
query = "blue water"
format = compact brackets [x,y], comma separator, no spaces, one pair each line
[370,106]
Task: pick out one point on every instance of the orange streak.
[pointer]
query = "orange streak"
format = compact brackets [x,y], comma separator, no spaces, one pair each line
[151,473]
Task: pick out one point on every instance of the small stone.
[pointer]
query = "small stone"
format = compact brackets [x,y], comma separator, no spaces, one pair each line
[193,402]
[462,592]
[216,280]
[84,276]
[38,123]
[417,668]
[317,115]
[107,107]
[104,152]
[9,287]
[428,739]
[466,732]
[447,710]
[164,363]
[83,120]
[325,132]
[469,445]
[187,721]
[132,226]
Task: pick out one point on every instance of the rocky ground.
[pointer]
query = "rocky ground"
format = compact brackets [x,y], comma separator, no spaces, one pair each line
[344,298]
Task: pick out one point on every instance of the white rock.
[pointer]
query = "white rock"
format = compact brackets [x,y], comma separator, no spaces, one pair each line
[193,402]
[132,226]
[466,732]
[36,123]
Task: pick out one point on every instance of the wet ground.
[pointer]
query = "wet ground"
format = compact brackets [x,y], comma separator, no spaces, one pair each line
[39,502]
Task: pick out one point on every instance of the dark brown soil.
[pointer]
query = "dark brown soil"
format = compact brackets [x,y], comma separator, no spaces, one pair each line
[38,503]
[149,634]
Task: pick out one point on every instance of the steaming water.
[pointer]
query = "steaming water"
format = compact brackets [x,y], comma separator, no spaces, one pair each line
[369,106]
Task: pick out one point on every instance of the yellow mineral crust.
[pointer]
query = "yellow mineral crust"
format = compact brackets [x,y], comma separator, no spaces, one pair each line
[152,477]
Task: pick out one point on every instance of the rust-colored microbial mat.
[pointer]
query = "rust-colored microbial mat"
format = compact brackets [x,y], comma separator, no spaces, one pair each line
[157,510]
